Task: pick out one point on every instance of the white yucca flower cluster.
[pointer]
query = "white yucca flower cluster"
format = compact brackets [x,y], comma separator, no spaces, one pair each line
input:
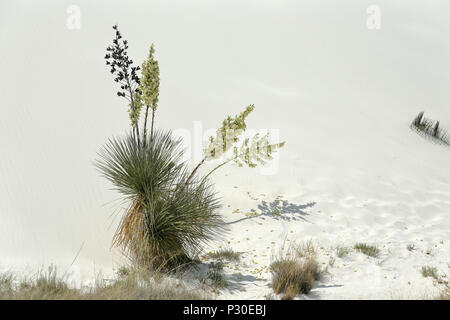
[254,151]
[249,151]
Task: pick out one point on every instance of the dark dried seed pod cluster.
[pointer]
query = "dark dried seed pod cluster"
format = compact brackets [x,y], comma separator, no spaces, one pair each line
[122,66]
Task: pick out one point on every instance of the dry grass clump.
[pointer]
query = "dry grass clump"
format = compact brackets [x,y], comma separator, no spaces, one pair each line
[445,295]
[142,285]
[296,272]
[129,285]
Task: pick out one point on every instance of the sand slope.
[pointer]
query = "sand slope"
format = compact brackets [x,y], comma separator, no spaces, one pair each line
[341,95]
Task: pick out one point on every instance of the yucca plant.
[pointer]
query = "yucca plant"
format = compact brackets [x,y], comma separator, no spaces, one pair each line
[172,211]
[167,219]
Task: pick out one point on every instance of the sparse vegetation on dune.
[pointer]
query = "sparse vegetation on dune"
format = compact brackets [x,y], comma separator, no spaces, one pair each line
[172,208]
[305,250]
[129,284]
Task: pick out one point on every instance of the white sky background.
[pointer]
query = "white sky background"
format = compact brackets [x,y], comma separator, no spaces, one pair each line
[301,63]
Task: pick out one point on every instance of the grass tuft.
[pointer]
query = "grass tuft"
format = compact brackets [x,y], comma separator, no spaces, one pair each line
[214,277]
[296,272]
[342,251]
[368,250]
[445,294]
[430,272]
[292,277]
[306,249]
[133,285]
[225,254]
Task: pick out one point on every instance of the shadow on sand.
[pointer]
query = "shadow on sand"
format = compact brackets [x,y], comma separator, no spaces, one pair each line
[235,281]
[279,209]
[239,282]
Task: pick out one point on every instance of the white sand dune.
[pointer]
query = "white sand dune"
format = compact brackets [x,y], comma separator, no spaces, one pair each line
[389,196]
[343,220]
[341,95]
